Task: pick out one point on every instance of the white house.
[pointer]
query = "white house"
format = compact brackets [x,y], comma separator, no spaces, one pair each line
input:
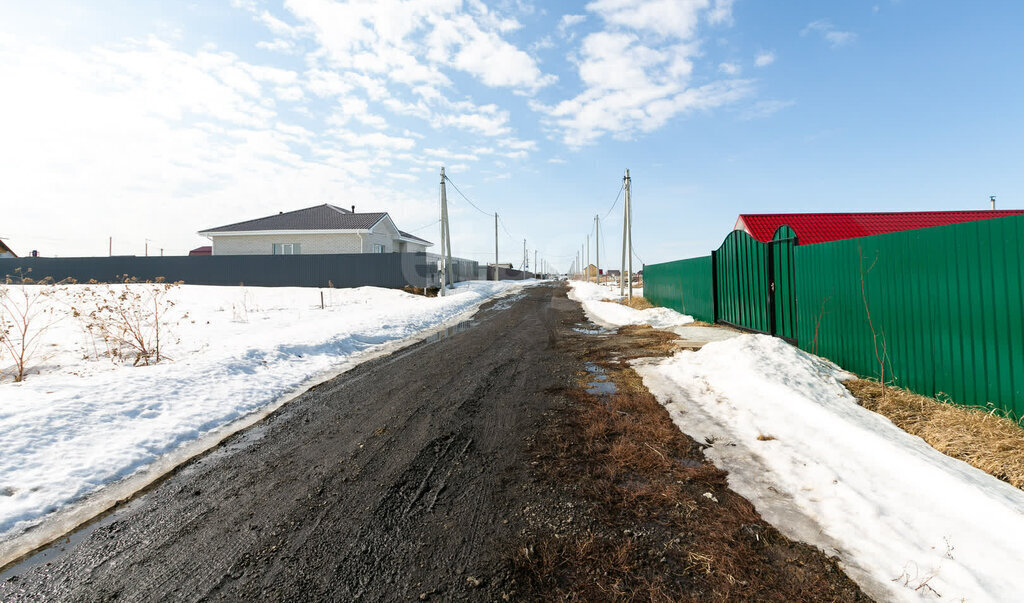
[320,229]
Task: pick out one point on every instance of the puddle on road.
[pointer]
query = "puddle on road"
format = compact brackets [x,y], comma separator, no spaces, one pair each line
[599,385]
[507,302]
[452,330]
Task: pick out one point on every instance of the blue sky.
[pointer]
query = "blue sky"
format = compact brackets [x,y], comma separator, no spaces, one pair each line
[148,120]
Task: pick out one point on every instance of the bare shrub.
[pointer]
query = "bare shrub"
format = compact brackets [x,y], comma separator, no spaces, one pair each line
[129,319]
[24,318]
[240,310]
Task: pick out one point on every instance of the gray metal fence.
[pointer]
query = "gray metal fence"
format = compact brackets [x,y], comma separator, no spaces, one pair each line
[340,270]
[508,274]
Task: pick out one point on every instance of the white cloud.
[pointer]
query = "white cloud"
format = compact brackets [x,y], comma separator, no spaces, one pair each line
[763,109]
[763,59]
[635,81]
[828,31]
[414,42]
[729,68]
[721,12]
[278,45]
[567,22]
[675,18]
[151,142]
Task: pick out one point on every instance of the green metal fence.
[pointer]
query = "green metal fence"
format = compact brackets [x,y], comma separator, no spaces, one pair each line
[938,310]
[683,285]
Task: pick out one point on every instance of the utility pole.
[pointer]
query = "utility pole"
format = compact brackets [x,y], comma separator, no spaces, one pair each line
[588,258]
[536,268]
[525,256]
[110,246]
[597,247]
[629,235]
[496,246]
[446,244]
[622,267]
[146,253]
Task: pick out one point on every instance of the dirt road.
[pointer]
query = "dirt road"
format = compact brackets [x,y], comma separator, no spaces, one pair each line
[410,477]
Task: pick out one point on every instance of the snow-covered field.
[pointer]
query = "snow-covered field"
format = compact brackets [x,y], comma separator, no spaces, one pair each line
[79,423]
[908,522]
[610,314]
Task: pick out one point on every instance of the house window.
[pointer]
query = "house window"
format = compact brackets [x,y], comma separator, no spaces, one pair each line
[286,249]
[378,248]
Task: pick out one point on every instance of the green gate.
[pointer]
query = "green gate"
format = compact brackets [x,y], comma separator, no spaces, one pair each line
[742,294]
[781,282]
[754,283]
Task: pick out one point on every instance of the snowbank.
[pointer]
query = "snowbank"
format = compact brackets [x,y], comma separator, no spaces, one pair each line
[610,314]
[908,522]
[81,424]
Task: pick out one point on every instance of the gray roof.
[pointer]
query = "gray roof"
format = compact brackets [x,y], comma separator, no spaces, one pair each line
[319,217]
[413,237]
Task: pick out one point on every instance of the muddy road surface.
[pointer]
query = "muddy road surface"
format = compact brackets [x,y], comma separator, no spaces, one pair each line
[418,476]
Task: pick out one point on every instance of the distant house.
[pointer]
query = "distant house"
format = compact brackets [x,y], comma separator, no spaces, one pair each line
[821,228]
[5,251]
[204,250]
[320,229]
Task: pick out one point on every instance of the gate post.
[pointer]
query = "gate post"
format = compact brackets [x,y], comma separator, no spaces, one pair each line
[714,286]
[772,326]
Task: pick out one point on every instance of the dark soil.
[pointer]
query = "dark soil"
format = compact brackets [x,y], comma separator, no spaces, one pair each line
[635,512]
[472,466]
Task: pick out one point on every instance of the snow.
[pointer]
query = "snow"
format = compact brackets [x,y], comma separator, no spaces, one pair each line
[610,314]
[78,423]
[908,522]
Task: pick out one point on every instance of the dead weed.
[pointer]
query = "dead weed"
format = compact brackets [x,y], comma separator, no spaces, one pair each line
[645,485]
[991,443]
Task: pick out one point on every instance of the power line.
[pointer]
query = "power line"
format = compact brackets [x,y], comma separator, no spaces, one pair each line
[467,198]
[503,227]
[616,202]
[434,223]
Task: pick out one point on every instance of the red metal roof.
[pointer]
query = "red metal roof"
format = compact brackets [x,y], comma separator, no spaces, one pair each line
[820,228]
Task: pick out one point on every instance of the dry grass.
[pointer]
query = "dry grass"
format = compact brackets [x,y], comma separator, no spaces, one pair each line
[700,323]
[991,443]
[430,291]
[637,303]
[642,485]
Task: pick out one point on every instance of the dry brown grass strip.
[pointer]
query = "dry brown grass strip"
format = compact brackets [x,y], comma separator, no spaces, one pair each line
[991,443]
[647,529]
[637,303]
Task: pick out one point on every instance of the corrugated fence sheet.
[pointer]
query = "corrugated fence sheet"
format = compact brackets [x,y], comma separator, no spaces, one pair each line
[742,290]
[938,310]
[339,270]
[683,285]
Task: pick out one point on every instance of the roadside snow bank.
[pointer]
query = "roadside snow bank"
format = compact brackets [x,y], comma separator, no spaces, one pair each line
[610,314]
[908,522]
[79,425]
